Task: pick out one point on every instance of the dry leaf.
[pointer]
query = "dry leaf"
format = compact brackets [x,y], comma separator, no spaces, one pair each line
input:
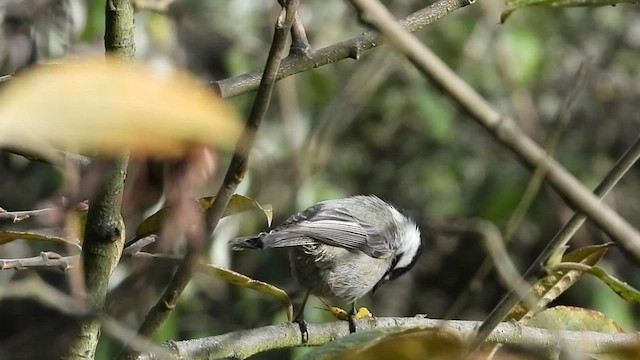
[91,106]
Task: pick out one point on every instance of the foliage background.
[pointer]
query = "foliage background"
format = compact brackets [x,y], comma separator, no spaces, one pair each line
[372,126]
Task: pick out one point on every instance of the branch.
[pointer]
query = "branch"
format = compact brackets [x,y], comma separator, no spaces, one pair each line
[245,343]
[104,230]
[299,43]
[54,157]
[46,259]
[351,48]
[16,216]
[235,173]
[103,242]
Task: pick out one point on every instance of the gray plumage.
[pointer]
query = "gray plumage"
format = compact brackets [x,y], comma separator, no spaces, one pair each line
[343,248]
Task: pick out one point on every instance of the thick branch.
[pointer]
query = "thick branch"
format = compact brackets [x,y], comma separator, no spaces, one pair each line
[242,344]
[103,242]
[55,157]
[351,48]
[118,36]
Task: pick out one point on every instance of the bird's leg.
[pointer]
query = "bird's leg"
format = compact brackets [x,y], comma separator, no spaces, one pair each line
[352,318]
[302,323]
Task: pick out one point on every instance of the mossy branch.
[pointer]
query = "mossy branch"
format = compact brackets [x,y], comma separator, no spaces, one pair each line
[103,242]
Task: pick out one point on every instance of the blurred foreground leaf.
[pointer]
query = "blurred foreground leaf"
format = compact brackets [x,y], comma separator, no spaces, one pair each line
[237,204]
[394,343]
[238,279]
[575,319]
[551,286]
[93,106]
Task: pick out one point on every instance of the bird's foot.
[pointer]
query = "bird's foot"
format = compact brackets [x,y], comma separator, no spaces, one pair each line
[304,329]
[352,323]
[362,313]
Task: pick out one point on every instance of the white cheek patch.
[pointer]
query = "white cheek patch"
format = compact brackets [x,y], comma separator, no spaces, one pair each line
[404,261]
[410,243]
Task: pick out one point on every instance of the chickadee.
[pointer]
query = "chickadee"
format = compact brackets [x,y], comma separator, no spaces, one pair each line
[343,248]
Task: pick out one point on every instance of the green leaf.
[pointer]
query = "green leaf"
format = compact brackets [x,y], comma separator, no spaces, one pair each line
[237,204]
[621,288]
[238,279]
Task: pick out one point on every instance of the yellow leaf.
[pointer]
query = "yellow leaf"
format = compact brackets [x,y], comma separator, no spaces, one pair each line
[93,106]
[54,235]
[237,204]
[235,278]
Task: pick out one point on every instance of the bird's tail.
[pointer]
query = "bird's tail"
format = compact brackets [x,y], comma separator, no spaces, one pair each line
[248,242]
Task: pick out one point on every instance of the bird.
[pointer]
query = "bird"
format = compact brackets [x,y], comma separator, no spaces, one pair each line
[342,249]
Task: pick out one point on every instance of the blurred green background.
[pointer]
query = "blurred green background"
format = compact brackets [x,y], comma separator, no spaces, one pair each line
[372,126]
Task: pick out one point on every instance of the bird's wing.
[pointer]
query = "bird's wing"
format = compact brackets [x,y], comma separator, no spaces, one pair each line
[339,227]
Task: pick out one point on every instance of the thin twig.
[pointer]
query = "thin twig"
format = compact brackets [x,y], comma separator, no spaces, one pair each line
[54,157]
[50,259]
[136,246]
[299,43]
[46,259]
[16,216]
[352,48]
[101,251]
[235,172]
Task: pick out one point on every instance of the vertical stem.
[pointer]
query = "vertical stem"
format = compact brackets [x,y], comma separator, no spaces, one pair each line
[104,232]
[118,35]
[103,242]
